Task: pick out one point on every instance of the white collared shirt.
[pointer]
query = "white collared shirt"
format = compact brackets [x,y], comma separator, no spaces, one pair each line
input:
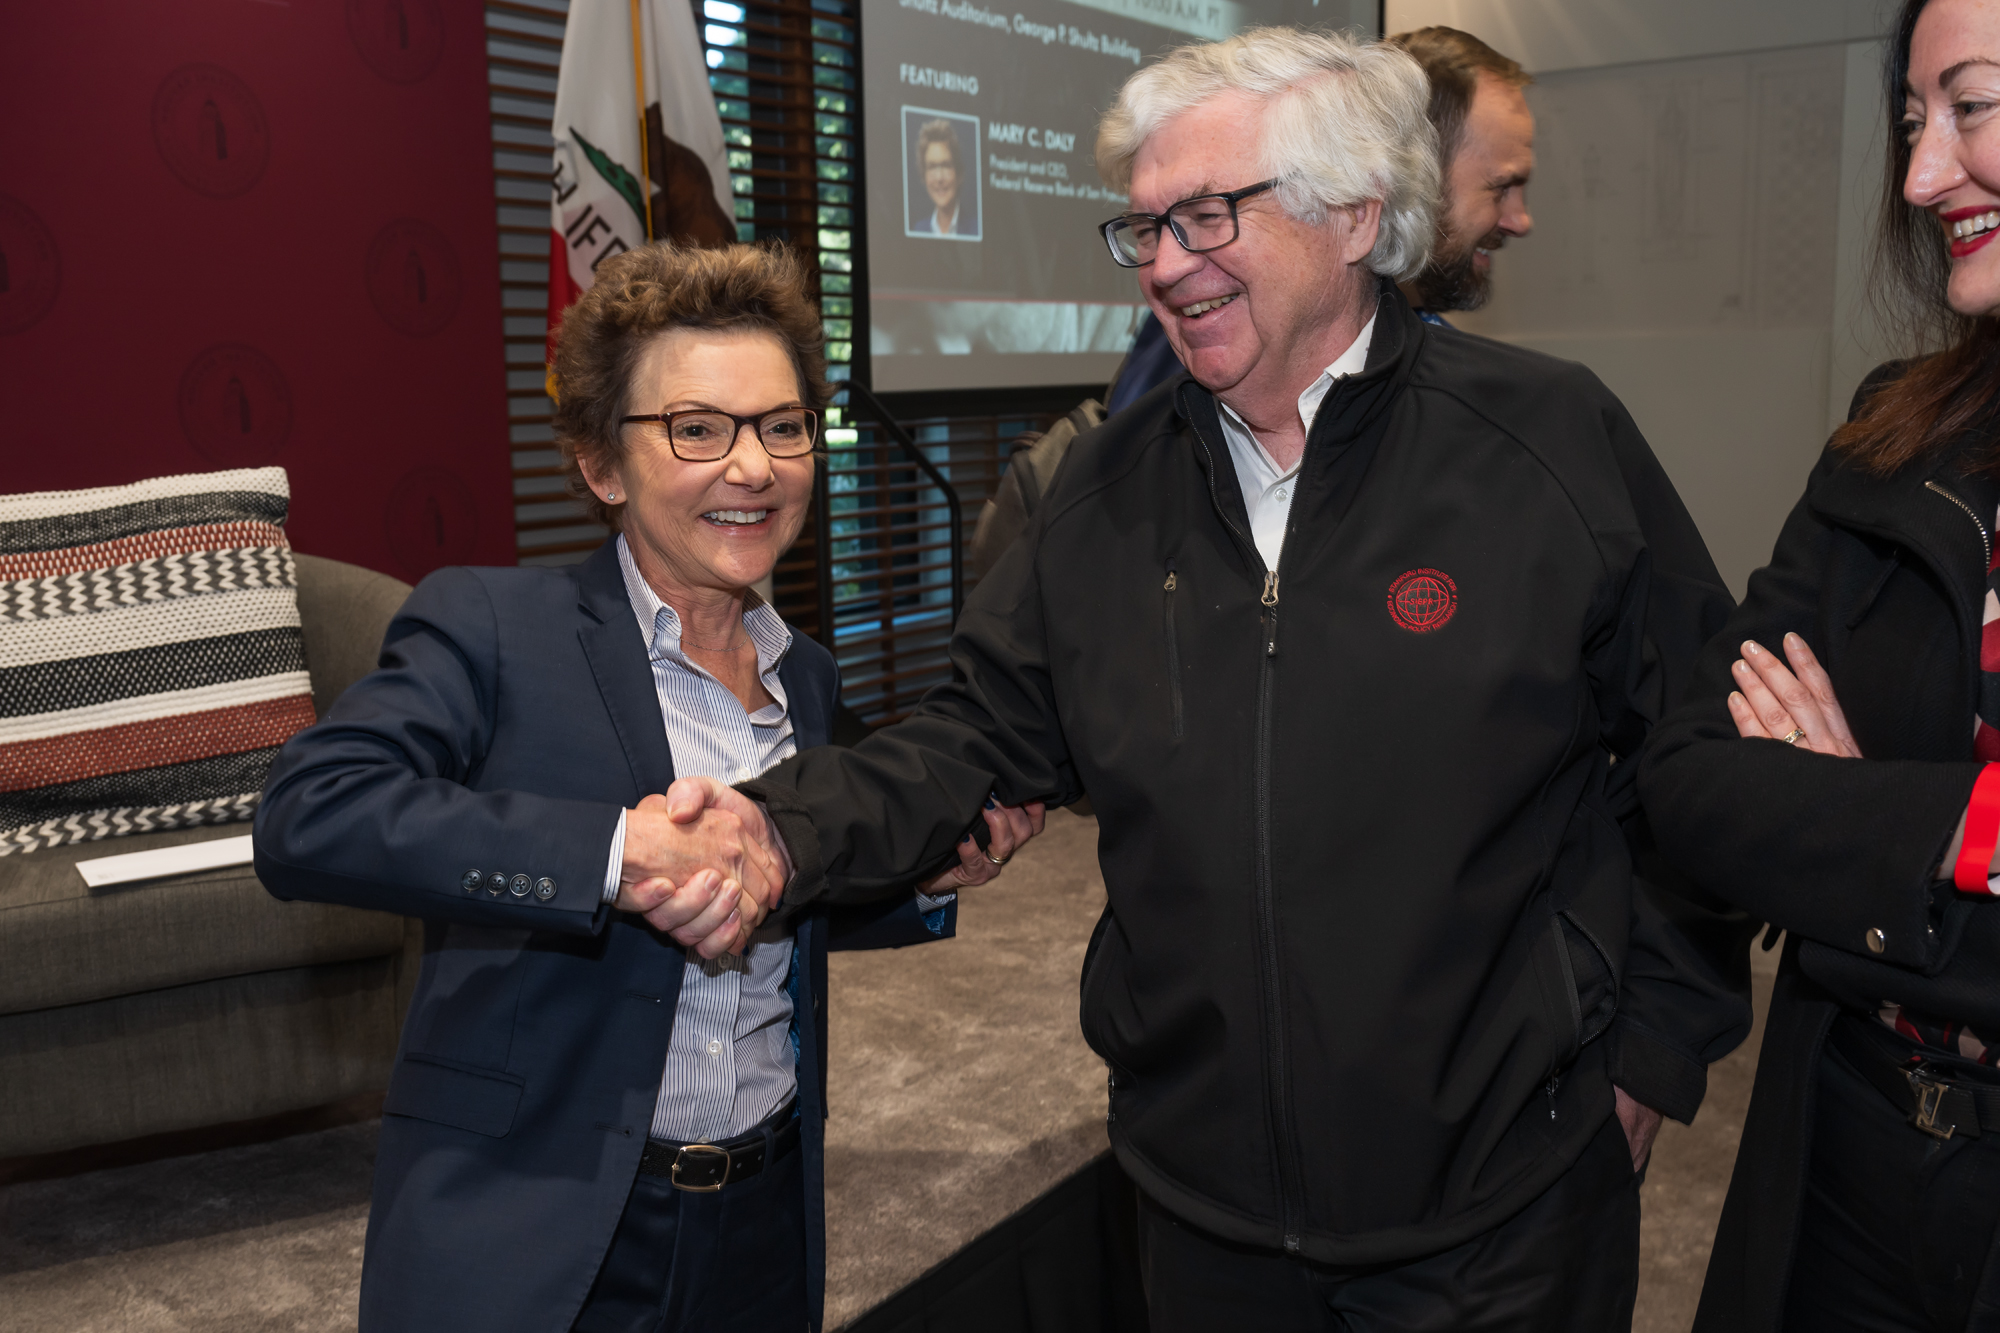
[1268,491]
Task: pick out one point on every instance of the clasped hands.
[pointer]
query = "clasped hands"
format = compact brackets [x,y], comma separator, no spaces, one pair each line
[704,865]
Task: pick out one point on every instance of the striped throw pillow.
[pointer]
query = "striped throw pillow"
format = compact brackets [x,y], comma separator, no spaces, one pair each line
[151,661]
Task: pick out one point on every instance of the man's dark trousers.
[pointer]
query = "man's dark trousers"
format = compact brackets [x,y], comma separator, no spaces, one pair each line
[1568,1263]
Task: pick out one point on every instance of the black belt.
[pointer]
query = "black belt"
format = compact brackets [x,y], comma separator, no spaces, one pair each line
[703,1168]
[1935,1096]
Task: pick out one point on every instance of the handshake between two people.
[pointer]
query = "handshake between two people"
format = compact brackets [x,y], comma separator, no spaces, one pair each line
[704,864]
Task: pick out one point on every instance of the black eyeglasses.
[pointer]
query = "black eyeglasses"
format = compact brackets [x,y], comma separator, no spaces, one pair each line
[1205,222]
[704,436]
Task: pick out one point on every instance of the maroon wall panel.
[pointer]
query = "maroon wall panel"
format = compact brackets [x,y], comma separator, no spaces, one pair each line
[244,232]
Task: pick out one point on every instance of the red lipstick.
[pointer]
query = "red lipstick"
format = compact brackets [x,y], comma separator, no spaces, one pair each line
[1966,245]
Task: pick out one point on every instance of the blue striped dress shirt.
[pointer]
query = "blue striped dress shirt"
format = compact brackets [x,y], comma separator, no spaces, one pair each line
[730,1063]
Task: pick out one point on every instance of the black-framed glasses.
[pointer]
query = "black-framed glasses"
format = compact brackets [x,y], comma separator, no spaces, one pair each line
[1205,222]
[701,435]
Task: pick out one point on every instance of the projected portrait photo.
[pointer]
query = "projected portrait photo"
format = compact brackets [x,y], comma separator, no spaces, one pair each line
[941,175]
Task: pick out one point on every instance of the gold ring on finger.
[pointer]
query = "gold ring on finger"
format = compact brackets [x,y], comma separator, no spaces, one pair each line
[996,860]
[1794,736]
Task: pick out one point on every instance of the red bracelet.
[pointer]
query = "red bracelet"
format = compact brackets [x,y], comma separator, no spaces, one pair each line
[1982,833]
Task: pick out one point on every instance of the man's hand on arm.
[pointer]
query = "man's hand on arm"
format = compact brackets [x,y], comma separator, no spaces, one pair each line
[1008,827]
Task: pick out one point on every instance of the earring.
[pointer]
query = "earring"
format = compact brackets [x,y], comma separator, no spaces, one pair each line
[610,496]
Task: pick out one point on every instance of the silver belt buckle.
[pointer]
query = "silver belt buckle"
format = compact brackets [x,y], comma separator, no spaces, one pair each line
[699,1150]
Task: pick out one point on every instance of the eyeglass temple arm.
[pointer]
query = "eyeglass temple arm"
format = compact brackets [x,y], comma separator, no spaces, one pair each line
[951,500]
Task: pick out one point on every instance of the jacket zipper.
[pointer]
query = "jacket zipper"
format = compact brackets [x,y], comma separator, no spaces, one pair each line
[1985,537]
[1277,1056]
[1173,649]
[1568,970]
[1276,1047]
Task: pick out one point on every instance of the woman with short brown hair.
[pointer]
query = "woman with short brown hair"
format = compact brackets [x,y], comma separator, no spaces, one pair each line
[1848,792]
[940,171]
[607,1111]
[740,289]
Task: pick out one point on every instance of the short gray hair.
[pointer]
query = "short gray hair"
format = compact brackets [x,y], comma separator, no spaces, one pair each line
[1344,122]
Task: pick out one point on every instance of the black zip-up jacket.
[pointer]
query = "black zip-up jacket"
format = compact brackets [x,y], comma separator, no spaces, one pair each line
[1886,578]
[1372,954]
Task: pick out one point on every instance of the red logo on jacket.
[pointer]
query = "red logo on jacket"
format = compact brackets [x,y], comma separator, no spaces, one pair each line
[1423,600]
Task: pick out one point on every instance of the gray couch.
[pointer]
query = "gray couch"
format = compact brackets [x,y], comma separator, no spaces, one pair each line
[199,1000]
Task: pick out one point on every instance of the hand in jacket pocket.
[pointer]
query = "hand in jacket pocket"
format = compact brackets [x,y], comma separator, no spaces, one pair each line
[1641,1124]
[1772,703]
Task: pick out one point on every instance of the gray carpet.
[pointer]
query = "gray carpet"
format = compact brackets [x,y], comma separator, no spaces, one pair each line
[960,1087]
[266,1237]
[960,1090]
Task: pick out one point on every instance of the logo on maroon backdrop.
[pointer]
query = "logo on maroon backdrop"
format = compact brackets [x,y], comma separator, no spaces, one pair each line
[398,39]
[235,406]
[431,520]
[30,266]
[412,277]
[1423,600]
[210,130]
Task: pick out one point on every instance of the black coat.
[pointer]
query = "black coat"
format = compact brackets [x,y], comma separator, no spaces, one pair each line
[1373,954]
[1885,579]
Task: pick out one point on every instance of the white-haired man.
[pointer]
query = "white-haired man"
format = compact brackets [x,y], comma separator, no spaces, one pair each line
[1342,634]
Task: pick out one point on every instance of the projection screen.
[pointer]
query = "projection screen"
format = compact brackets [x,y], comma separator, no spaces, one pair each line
[985,268]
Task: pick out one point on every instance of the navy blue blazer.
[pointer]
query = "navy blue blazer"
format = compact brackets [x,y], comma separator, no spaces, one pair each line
[967,221]
[474,780]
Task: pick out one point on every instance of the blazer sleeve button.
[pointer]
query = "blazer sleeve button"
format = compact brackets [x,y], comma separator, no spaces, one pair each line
[471,880]
[545,888]
[518,886]
[496,883]
[1877,941]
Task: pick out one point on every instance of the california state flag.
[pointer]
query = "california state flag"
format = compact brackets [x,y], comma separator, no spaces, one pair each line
[620,179]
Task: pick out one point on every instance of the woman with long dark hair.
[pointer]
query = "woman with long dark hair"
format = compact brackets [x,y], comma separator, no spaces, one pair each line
[1836,774]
